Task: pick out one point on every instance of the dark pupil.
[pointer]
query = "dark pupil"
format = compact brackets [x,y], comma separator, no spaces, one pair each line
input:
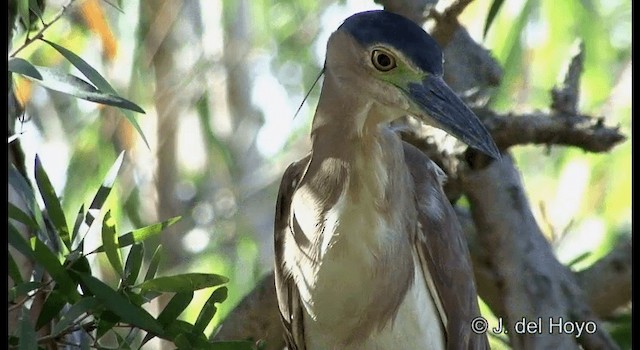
[384,60]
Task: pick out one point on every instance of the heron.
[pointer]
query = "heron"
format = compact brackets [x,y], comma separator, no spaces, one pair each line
[368,250]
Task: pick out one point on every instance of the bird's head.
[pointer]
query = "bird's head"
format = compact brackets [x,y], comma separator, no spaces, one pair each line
[390,64]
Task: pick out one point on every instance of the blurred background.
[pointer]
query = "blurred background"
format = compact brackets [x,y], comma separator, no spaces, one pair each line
[221,80]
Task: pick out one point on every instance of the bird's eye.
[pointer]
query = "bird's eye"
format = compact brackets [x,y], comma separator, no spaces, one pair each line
[383,61]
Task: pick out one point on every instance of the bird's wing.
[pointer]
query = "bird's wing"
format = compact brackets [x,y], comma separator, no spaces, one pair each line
[286,290]
[442,249]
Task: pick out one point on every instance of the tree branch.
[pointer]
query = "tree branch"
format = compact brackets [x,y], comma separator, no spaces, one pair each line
[531,282]
[577,130]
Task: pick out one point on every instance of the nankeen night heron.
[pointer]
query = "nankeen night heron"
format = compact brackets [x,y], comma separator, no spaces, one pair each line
[369,252]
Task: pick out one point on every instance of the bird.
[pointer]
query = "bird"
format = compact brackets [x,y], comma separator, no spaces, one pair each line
[369,253]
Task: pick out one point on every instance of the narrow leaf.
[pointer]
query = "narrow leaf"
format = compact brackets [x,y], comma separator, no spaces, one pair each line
[106,322]
[110,243]
[57,80]
[49,261]
[133,264]
[209,309]
[154,264]
[18,242]
[17,214]
[493,11]
[175,307]
[23,188]
[14,271]
[33,6]
[85,305]
[52,203]
[85,68]
[23,10]
[139,235]
[75,242]
[170,313]
[183,283]
[105,189]
[51,307]
[27,332]
[120,306]
[23,289]
[22,66]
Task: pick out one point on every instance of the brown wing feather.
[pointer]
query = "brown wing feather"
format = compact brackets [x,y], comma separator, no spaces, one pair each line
[286,290]
[442,246]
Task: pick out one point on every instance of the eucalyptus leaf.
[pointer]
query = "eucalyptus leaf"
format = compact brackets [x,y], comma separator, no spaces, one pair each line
[57,80]
[110,243]
[52,203]
[209,309]
[120,306]
[28,338]
[183,283]
[23,67]
[85,305]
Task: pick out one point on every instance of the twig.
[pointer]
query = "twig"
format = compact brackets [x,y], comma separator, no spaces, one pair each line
[565,97]
[40,33]
[577,130]
[30,296]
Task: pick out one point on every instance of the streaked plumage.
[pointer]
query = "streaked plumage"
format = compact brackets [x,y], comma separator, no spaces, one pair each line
[369,253]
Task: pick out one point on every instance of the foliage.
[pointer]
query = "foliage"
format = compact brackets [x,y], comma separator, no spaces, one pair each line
[63,297]
[77,304]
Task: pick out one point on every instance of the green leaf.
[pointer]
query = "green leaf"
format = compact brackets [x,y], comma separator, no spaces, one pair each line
[27,332]
[14,271]
[18,242]
[175,307]
[110,243]
[183,283]
[154,264]
[76,227]
[23,188]
[209,309]
[493,11]
[23,67]
[81,265]
[106,322]
[170,313]
[52,203]
[105,189]
[23,289]
[101,83]
[85,305]
[133,264]
[33,6]
[49,261]
[51,307]
[17,214]
[142,234]
[119,305]
[182,342]
[23,10]
[57,80]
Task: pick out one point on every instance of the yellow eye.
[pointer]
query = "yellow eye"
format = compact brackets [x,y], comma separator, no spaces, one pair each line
[382,60]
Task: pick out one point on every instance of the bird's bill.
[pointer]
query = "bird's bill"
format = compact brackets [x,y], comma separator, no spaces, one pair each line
[436,104]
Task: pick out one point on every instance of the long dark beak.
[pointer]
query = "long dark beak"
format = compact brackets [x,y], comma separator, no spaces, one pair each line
[439,106]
